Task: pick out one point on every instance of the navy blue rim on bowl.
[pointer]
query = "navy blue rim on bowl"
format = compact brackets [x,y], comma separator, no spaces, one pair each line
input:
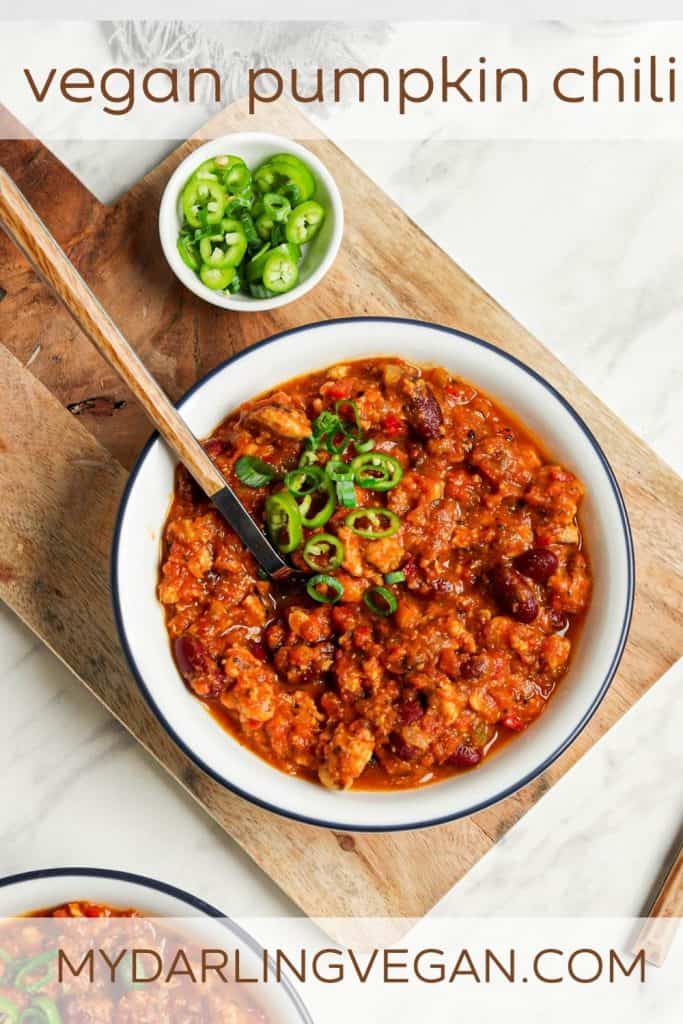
[483,804]
[168,890]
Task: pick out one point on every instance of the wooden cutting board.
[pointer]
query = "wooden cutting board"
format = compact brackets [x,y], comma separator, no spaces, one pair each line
[69,431]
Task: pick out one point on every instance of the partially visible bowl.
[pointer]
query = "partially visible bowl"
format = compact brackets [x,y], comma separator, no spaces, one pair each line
[140,617]
[254,148]
[39,890]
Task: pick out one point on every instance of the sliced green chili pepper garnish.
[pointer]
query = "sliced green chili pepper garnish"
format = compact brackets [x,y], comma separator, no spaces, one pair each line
[227,247]
[237,178]
[247,223]
[9,1011]
[259,291]
[41,1011]
[271,214]
[304,480]
[291,191]
[284,521]
[25,977]
[373,517]
[380,601]
[264,225]
[325,589]
[284,170]
[338,441]
[277,206]
[395,577]
[216,278]
[304,222]
[308,456]
[253,472]
[188,252]
[376,471]
[364,446]
[203,201]
[280,272]
[256,264]
[323,552]
[337,469]
[312,512]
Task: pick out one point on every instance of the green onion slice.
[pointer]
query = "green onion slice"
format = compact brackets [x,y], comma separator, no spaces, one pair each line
[323,425]
[284,521]
[308,456]
[380,522]
[325,589]
[323,552]
[380,601]
[9,1010]
[364,446]
[377,471]
[346,493]
[349,424]
[41,1011]
[253,472]
[395,577]
[36,972]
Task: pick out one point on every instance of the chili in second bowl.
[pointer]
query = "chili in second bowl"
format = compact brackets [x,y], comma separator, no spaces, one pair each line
[448,577]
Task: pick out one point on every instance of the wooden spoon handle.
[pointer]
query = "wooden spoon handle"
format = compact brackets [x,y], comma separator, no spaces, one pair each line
[659,931]
[27,230]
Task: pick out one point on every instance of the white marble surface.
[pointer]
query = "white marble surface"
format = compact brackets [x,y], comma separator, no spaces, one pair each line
[581,242]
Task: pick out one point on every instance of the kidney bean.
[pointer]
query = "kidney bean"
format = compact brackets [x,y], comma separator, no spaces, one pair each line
[188,655]
[402,749]
[514,594]
[197,667]
[465,756]
[424,412]
[214,447]
[539,564]
[410,710]
[258,650]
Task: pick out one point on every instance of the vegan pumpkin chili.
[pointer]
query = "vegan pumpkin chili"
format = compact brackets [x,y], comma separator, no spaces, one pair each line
[78,965]
[447,576]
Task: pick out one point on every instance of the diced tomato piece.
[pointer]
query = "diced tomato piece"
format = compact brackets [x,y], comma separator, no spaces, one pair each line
[392,424]
[342,389]
[514,722]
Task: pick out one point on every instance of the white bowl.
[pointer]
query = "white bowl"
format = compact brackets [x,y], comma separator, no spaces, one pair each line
[37,890]
[140,617]
[254,148]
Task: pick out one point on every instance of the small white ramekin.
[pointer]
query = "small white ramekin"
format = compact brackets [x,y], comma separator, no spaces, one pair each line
[254,148]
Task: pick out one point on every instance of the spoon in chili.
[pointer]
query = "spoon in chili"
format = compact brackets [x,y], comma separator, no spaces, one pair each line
[23,225]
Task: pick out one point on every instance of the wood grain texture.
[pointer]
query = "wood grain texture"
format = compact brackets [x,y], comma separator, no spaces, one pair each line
[180,338]
[29,233]
[659,931]
[23,225]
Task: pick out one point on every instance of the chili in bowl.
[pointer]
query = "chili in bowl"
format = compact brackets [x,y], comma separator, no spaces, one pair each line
[58,925]
[469,588]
